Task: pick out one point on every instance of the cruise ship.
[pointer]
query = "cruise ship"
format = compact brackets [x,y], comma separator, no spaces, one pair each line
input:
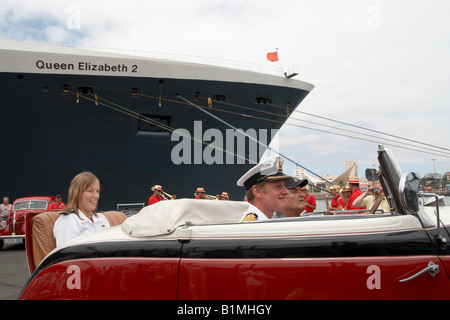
[133,121]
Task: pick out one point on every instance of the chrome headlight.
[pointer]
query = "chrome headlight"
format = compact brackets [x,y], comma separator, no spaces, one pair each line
[3,225]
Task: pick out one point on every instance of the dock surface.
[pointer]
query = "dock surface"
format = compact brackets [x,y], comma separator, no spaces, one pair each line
[13,271]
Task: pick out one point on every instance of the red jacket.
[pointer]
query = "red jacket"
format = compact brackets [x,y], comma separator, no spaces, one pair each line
[355,194]
[154,199]
[311,200]
[338,201]
[59,206]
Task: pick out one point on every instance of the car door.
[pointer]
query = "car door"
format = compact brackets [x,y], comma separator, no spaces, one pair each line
[319,258]
[443,247]
[135,270]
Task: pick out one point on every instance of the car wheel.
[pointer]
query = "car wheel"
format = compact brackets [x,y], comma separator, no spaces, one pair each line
[1,244]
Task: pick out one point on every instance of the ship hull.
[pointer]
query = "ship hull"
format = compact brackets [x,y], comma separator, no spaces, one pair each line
[50,134]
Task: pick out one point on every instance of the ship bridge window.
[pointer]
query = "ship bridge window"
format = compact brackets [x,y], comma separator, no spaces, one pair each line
[261,100]
[153,124]
[65,88]
[134,92]
[86,90]
[219,97]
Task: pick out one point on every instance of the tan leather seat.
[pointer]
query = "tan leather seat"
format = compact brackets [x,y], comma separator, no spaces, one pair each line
[42,234]
[115,218]
[42,231]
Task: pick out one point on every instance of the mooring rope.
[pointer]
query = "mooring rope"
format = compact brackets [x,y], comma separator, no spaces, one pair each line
[250,137]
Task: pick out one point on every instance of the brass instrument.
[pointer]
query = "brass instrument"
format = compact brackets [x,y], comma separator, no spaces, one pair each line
[162,193]
[209,197]
[170,196]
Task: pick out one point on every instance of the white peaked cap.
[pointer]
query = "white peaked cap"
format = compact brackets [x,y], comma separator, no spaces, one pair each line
[270,169]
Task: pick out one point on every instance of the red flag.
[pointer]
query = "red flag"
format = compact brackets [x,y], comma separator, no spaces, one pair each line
[272,56]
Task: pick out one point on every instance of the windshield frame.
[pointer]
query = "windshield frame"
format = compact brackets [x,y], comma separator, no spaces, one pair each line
[29,204]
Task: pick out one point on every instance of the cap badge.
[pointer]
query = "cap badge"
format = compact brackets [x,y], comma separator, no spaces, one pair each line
[279,164]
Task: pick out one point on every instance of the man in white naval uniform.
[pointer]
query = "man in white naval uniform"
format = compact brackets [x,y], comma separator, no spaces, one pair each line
[266,192]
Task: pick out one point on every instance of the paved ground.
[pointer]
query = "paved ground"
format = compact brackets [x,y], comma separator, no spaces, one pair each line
[13,270]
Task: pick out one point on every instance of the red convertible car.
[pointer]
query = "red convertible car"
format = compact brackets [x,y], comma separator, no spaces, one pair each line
[13,229]
[189,249]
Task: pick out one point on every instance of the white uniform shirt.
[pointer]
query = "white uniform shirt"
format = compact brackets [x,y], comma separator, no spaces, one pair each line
[70,226]
[255,210]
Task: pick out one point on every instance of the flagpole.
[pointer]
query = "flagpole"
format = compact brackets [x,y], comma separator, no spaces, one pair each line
[279,63]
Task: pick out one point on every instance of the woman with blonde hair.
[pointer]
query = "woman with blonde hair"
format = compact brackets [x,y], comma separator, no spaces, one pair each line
[81,218]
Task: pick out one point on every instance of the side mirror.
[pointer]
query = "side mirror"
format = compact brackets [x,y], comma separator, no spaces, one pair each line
[409,188]
[372,175]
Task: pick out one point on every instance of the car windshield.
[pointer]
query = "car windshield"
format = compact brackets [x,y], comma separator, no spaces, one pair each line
[30,204]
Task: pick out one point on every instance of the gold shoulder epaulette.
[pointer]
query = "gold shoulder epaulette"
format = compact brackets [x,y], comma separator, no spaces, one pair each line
[250,217]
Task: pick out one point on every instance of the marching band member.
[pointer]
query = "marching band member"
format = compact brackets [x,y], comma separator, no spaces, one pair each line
[310,201]
[200,193]
[345,193]
[353,183]
[224,196]
[157,195]
[337,203]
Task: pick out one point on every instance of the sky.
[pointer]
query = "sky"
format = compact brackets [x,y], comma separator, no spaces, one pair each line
[382,65]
